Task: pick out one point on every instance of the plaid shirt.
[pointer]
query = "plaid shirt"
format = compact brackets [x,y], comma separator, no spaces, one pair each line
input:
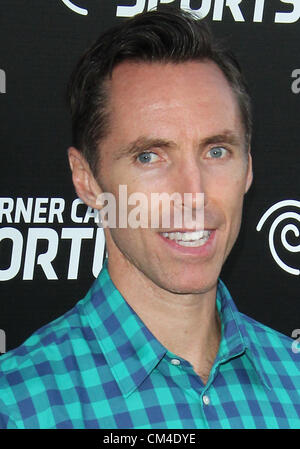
[98,366]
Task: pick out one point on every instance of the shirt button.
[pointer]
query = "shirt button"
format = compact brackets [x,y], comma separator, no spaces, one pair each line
[175,362]
[206,400]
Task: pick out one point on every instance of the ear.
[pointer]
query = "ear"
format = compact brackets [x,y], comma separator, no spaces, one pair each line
[84,181]
[249,178]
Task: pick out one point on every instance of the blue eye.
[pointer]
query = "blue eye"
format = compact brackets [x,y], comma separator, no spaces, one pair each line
[147,157]
[217,152]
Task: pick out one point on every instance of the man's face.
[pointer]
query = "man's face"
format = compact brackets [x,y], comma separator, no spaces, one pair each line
[186,118]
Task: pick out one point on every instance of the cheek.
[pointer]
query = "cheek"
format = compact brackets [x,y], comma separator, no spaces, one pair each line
[133,244]
[235,207]
[235,199]
[228,194]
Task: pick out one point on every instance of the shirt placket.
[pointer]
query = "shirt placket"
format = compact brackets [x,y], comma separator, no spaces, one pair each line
[195,390]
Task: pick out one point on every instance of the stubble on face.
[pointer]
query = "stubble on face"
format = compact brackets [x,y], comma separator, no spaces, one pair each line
[186,110]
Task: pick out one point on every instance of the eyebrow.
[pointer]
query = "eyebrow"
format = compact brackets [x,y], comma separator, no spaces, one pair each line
[145,143]
[226,136]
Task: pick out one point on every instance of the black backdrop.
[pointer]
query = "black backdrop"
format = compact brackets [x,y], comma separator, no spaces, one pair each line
[40,41]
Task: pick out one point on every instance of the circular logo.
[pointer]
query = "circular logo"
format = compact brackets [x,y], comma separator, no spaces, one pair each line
[288,228]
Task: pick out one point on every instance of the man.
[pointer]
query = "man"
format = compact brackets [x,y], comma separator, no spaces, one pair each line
[157,342]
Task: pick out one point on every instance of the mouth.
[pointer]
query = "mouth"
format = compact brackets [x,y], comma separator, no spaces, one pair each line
[192,239]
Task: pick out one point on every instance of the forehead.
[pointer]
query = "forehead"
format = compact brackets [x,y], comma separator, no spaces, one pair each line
[195,94]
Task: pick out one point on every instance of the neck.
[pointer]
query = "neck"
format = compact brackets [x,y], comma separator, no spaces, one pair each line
[186,324]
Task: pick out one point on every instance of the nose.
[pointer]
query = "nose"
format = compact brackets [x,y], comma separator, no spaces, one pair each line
[190,182]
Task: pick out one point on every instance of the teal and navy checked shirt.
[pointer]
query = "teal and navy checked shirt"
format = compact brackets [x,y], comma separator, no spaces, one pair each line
[98,366]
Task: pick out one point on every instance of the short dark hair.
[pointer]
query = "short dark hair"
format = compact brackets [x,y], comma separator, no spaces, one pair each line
[163,36]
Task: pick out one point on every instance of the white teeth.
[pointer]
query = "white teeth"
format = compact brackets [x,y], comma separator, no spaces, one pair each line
[196,238]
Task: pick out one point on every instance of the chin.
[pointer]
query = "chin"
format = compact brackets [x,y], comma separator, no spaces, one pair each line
[190,285]
[195,290]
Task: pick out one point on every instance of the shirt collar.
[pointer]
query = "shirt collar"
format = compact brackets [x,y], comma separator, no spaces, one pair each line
[132,351]
[128,346]
[235,336]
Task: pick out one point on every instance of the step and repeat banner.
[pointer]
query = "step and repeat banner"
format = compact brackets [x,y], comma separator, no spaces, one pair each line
[51,248]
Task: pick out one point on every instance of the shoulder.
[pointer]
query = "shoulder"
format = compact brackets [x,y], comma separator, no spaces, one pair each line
[45,340]
[278,353]
[266,335]
[30,370]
